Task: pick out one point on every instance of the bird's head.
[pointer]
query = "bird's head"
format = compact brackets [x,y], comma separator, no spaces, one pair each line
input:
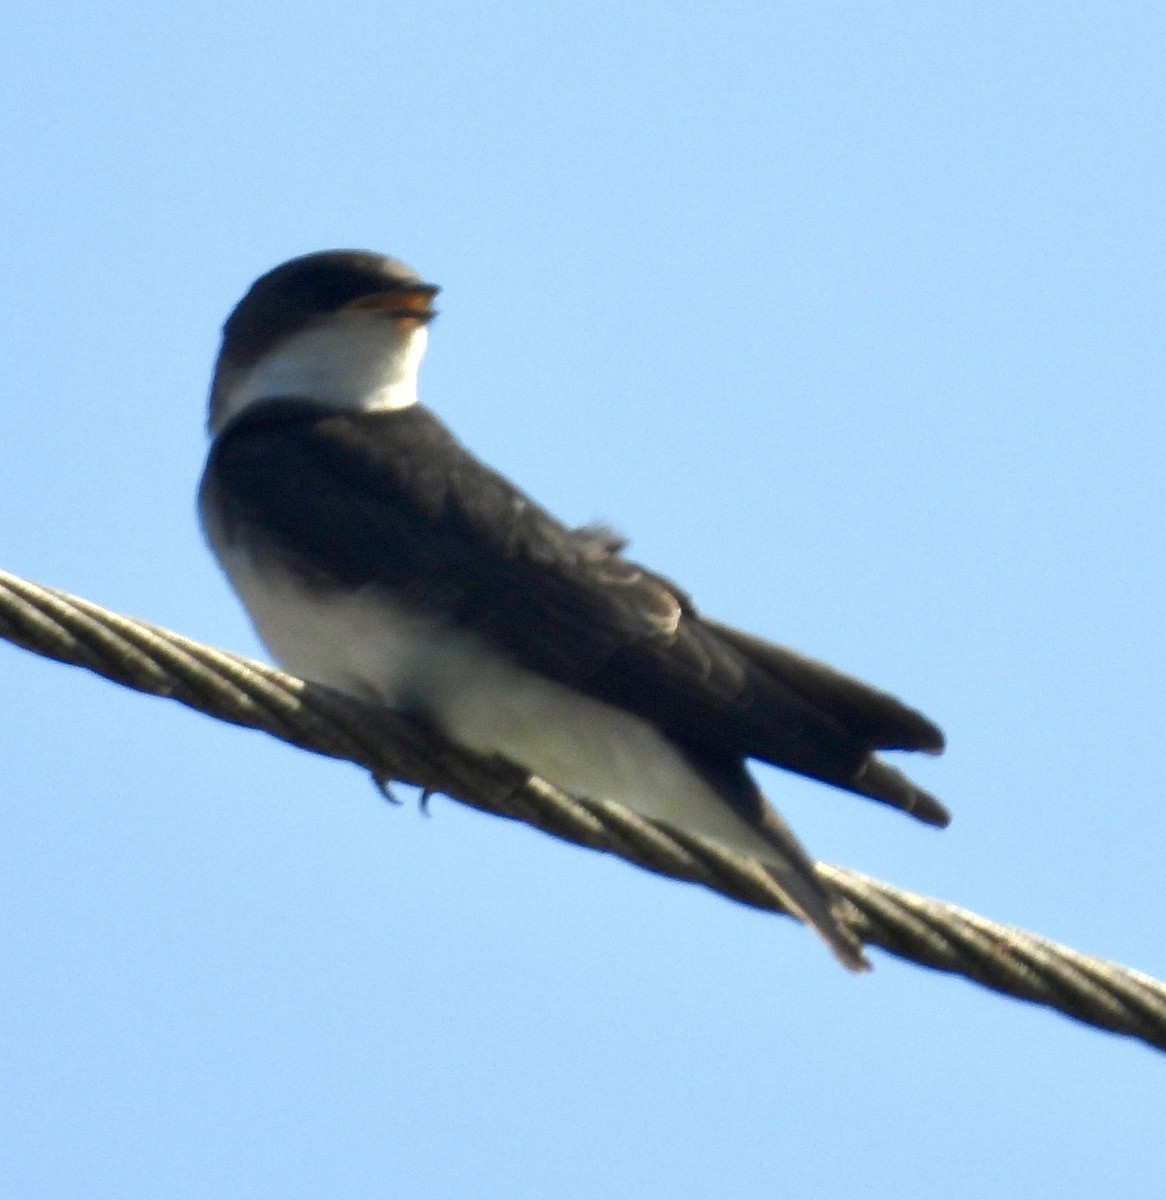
[345,328]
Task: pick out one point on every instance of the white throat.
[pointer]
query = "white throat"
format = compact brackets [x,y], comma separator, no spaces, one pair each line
[351,360]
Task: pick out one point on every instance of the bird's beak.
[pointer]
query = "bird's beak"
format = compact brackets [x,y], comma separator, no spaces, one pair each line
[414,305]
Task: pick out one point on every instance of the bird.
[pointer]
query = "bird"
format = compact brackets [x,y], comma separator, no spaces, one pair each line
[377,556]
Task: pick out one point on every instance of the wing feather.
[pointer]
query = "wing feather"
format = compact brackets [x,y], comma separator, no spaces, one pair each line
[391,500]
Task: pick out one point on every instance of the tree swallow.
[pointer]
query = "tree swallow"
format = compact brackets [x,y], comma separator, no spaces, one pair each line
[375,555]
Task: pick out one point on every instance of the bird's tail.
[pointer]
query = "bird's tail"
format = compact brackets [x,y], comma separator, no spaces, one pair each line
[774,845]
[878,780]
[806,895]
[856,720]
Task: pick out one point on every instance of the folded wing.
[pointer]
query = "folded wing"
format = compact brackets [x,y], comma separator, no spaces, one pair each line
[443,532]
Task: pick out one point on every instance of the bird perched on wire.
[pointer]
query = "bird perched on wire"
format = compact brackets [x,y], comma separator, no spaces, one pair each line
[377,556]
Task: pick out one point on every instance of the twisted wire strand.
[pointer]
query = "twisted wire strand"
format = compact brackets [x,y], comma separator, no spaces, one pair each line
[398,748]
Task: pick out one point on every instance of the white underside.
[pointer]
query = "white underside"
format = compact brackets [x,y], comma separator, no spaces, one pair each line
[362,644]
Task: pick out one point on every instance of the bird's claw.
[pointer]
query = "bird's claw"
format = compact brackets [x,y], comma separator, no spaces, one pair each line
[385,787]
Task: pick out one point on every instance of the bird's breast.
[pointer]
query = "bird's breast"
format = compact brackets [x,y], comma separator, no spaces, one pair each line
[369,645]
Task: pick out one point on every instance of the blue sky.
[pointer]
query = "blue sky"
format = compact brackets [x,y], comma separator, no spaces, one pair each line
[851,317]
